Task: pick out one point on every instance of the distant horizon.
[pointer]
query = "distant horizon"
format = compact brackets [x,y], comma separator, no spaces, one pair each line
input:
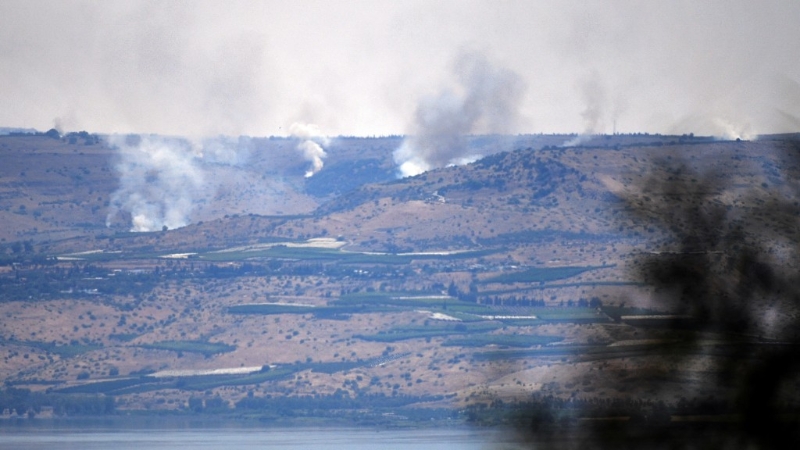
[6,130]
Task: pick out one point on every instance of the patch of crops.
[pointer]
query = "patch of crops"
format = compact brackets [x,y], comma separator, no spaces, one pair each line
[600,352]
[524,289]
[541,274]
[306,254]
[571,315]
[333,311]
[333,367]
[359,297]
[501,340]
[270,308]
[278,251]
[111,256]
[462,316]
[148,385]
[539,236]
[105,387]
[332,254]
[472,308]
[416,302]
[333,402]
[426,300]
[559,350]
[204,382]
[124,337]
[616,312]
[515,322]
[320,312]
[205,348]
[422,332]
[65,350]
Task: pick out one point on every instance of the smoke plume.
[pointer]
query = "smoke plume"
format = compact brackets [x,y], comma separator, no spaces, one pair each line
[596,100]
[486,100]
[163,180]
[309,146]
[599,109]
[159,179]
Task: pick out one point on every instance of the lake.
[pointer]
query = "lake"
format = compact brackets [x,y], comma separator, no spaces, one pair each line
[50,436]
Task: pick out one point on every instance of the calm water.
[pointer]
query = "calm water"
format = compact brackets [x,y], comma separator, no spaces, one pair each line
[63,438]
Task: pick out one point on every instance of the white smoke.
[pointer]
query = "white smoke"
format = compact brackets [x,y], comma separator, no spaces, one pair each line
[719,124]
[162,180]
[311,145]
[225,150]
[599,109]
[159,178]
[487,100]
[732,130]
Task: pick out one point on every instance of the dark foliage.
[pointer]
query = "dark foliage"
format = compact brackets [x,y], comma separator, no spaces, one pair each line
[24,402]
[732,267]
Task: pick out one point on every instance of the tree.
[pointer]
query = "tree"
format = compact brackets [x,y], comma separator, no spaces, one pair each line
[215,403]
[452,290]
[196,404]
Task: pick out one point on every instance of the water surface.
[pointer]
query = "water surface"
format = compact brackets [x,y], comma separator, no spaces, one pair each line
[42,437]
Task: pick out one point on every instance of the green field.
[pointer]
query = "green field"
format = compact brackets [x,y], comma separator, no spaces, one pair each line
[423,332]
[501,340]
[281,251]
[371,302]
[541,274]
[147,383]
[271,308]
[123,337]
[328,254]
[321,312]
[573,315]
[205,348]
[65,350]
[428,300]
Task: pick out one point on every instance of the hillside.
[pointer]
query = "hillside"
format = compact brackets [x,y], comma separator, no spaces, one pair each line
[538,270]
[55,187]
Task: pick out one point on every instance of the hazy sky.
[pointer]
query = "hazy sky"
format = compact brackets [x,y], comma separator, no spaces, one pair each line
[364,67]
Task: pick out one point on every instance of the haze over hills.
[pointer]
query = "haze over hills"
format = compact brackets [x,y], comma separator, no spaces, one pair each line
[227,244]
[530,271]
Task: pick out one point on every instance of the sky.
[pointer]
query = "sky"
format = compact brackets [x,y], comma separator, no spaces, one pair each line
[374,67]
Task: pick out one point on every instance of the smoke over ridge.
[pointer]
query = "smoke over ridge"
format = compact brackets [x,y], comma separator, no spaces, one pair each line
[598,110]
[162,180]
[487,100]
[310,146]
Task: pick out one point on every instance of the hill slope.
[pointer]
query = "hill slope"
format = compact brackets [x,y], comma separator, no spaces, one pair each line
[521,272]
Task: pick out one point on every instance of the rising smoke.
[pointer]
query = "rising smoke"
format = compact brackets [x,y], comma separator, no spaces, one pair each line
[486,100]
[310,145]
[599,109]
[162,179]
[595,100]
